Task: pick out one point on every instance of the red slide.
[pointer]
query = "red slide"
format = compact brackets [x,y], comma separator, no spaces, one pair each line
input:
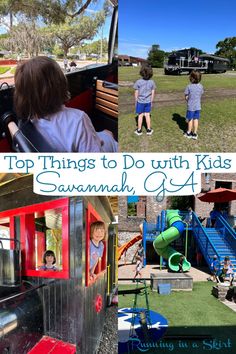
[127,245]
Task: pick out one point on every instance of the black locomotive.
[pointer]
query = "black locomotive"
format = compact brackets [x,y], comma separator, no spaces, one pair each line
[187,60]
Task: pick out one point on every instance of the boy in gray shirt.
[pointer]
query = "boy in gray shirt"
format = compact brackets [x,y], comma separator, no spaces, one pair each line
[193,94]
[144,96]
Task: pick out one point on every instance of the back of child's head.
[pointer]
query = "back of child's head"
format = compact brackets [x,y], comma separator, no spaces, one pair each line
[95,226]
[195,77]
[49,253]
[146,72]
[40,88]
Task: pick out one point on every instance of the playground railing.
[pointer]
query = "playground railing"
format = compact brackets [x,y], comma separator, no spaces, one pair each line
[226,231]
[163,220]
[150,231]
[206,246]
[187,218]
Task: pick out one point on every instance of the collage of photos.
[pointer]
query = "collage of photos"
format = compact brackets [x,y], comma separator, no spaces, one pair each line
[117,274]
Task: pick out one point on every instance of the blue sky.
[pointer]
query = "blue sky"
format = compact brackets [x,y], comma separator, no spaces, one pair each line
[174,24]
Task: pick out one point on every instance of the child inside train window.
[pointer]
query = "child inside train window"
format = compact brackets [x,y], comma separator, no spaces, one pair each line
[49,261]
[97,235]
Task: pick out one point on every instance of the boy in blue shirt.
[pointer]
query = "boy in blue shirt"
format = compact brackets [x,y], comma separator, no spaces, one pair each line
[215,268]
[193,94]
[144,96]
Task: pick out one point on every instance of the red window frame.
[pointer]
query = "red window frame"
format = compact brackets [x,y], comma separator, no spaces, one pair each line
[27,236]
[41,246]
[92,216]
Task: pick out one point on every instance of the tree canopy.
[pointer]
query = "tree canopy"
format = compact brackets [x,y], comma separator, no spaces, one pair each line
[42,23]
[227,49]
[50,11]
[156,56]
[73,33]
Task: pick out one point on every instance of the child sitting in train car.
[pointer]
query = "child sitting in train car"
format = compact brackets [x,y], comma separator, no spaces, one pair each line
[193,94]
[97,235]
[41,89]
[49,261]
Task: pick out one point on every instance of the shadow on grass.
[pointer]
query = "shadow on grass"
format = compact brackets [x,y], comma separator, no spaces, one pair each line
[180,120]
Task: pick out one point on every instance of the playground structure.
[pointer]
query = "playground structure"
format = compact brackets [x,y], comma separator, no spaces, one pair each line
[219,240]
[122,249]
[161,243]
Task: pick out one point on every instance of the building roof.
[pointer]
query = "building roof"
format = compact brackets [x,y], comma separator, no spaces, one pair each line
[211,56]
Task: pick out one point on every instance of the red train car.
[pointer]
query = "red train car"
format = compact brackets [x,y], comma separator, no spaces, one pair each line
[58,311]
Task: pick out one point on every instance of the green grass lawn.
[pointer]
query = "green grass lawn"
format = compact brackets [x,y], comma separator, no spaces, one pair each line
[216,131]
[4,69]
[172,83]
[190,314]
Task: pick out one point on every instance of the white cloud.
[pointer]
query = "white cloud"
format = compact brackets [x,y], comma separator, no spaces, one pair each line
[134,49]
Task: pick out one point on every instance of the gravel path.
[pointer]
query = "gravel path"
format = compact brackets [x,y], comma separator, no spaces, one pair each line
[109,340]
[175,98]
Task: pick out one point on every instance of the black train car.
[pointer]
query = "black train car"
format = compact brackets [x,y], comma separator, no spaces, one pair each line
[186,60]
[59,311]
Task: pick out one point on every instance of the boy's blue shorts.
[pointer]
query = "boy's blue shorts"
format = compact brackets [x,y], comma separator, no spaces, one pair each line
[143,107]
[193,115]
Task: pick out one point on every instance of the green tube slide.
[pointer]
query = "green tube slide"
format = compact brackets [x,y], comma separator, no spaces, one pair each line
[162,241]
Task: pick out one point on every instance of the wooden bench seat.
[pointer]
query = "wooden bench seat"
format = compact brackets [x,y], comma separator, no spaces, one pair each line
[106,98]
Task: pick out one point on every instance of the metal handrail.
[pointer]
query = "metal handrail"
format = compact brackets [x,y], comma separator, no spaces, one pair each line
[227,226]
[200,227]
[227,231]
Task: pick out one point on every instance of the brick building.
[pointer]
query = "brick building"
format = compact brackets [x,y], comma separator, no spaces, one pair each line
[126,60]
[213,181]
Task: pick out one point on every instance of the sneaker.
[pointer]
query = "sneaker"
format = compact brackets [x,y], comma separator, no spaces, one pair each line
[188,135]
[149,131]
[138,131]
[194,136]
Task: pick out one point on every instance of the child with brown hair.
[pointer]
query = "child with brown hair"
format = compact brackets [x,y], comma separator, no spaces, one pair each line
[193,94]
[41,90]
[144,96]
[49,260]
[97,235]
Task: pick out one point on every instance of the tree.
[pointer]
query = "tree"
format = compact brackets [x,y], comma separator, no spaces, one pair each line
[227,49]
[67,26]
[95,47]
[74,32]
[181,203]
[50,11]
[25,38]
[156,56]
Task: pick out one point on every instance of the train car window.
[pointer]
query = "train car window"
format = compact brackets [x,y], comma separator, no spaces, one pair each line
[5,233]
[96,245]
[42,227]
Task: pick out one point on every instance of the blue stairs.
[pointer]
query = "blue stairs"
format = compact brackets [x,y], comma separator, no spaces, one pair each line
[220,240]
